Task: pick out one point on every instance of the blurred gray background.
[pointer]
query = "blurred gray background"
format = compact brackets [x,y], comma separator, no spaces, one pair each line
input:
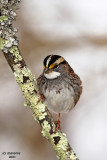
[76,30]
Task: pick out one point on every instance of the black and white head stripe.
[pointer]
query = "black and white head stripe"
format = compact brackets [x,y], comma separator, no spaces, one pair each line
[53,59]
[45,60]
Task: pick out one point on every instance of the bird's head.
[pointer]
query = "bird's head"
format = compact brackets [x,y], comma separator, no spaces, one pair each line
[52,66]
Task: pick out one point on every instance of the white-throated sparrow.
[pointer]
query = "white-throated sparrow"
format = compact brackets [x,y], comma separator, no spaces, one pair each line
[59,85]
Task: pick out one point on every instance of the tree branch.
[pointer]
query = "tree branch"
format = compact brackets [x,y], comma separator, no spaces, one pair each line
[26,81]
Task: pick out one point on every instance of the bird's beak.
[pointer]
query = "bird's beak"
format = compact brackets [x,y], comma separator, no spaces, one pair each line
[46,69]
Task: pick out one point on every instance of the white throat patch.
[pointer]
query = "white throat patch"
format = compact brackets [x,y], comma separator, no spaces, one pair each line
[52,75]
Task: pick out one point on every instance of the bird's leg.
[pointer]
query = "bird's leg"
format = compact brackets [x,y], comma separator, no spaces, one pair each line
[41,98]
[58,123]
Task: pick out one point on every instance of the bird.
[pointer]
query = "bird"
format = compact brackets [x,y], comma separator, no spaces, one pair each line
[60,86]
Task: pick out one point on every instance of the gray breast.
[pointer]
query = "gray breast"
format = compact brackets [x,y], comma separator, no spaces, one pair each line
[59,96]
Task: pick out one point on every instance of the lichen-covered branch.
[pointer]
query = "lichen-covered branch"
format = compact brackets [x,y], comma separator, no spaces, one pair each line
[26,81]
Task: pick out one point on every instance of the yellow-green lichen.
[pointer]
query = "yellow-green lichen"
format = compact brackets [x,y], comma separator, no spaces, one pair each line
[35,117]
[40,116]
[40,107]
[62,145]
[33,99]
[28,87]
[26,103]
[27,72]
[3,18]
[63,141]
[73,156]
[18,75]
[14,50]
[39,110]
[45,129]
[3,42]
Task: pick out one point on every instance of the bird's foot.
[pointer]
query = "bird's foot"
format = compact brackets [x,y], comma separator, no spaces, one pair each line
[58,123]
[42,98]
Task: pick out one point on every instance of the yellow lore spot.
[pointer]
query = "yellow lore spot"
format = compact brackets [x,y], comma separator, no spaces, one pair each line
[52,65]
